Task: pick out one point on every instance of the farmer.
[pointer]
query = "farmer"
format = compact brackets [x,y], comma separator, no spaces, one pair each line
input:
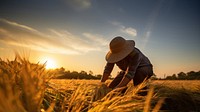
[132,62]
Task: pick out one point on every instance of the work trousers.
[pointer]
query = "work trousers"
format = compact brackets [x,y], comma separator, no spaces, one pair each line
[142,73]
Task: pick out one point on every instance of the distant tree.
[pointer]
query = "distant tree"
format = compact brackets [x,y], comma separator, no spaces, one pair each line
[83,72]
[182,76]
[62,69]
[198,75]
[168,78]
[193,75]
[173,77]
[90,72]
[67,72]
[59,70]
[99,76]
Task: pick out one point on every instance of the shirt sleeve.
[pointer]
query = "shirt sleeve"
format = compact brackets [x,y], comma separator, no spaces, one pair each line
[108,68]
[133,65]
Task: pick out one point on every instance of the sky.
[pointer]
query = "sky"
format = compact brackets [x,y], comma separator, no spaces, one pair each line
[75,34]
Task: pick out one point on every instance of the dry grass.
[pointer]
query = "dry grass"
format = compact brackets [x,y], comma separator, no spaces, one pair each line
[25,87]
[179,95]
[22,85]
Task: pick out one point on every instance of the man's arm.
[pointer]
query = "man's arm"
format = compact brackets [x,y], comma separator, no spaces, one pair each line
[104,77]
[124,82]
[107,70]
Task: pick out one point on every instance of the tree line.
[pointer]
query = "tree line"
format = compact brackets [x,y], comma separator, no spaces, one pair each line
[61,73]
[192,75]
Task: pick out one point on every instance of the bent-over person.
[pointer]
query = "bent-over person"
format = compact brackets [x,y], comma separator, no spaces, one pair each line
[134,65]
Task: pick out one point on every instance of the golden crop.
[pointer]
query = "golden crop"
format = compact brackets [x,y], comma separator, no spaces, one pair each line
[28,87]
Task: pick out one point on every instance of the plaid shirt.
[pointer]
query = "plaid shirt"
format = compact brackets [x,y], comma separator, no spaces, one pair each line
[130,63]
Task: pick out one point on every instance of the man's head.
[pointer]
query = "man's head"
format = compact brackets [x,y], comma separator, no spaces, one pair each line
[119,49]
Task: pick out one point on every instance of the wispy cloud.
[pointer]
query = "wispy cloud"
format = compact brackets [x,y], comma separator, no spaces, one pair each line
[79,4]
[17,25]
[127,30]
[150,24]
[74,42]
[130,31]
[146,38]
[98,39]
[13,34]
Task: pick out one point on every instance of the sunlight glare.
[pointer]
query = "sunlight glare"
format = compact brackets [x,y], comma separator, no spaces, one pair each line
[50,64]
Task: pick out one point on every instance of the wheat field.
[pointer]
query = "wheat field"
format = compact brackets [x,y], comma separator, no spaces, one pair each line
[28,87]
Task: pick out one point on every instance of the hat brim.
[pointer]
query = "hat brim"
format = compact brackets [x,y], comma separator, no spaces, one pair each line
[115,57]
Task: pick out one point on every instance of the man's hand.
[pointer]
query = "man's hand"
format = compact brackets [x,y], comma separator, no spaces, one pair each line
[101,91]
[102,84]
[123,83]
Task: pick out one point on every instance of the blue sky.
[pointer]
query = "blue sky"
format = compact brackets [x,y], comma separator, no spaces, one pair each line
[76,33]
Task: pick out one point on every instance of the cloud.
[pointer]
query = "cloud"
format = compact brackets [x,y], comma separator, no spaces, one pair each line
[17,25]
[14,35]
[146,37]
[79,4]
[98,39]
[76,43]
[127,30]
[130,31]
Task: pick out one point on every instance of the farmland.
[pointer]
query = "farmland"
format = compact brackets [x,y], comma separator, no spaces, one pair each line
[179,95]
[186,84]
[27,87]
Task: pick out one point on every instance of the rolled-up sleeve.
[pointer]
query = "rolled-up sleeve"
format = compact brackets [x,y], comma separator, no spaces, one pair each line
[133,65]
[108,68]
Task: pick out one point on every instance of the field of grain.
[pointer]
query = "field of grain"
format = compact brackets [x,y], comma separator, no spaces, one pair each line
[27,87]
[179,95]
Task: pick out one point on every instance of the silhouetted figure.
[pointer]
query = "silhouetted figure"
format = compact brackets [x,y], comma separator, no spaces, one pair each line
[132,62]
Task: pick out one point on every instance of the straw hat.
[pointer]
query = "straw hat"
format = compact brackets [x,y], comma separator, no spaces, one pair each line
[119,49]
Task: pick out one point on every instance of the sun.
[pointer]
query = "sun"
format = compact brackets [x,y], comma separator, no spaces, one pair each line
[50,64]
